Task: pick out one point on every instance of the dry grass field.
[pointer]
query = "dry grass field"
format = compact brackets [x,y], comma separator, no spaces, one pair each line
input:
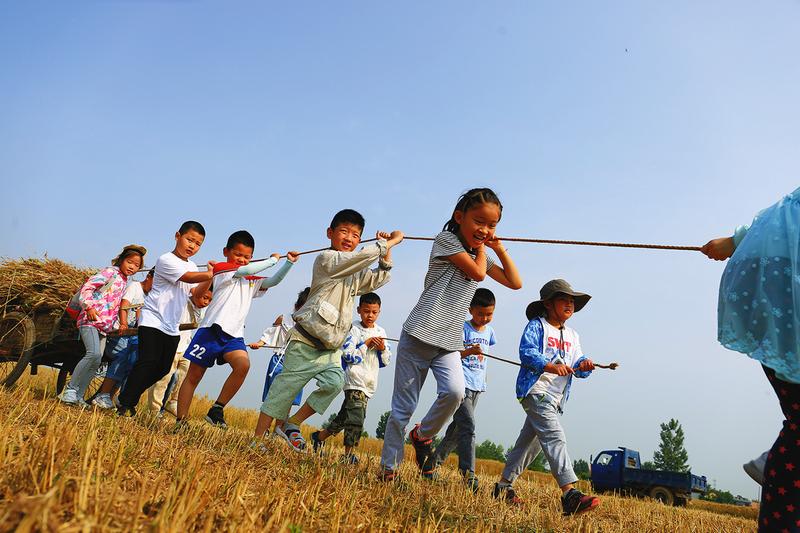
[70,470]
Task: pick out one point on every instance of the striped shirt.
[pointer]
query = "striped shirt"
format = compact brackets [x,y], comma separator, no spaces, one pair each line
[438,317]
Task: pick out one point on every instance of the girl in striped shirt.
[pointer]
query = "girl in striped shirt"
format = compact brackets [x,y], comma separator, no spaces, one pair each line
[432,335]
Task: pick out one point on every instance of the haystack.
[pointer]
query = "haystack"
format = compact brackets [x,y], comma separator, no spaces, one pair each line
[41,289]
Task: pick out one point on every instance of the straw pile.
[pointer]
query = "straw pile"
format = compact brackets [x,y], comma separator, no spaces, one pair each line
[36,286]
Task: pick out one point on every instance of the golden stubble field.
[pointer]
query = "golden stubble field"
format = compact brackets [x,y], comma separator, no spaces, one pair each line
[63,469]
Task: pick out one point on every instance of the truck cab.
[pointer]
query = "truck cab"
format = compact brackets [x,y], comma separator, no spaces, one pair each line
[621,470]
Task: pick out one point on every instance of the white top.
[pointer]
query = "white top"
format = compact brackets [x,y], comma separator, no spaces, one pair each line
[135,295]
[231,302]
[164,303]
[362,364]
[438,317]
[552,384]
[191,315]
[278,336]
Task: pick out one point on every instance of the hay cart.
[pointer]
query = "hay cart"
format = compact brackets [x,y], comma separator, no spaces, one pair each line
[34,330]
[41,339]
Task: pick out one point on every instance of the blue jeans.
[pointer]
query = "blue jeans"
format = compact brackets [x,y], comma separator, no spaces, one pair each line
[542,432]
[87,367]
[123,355]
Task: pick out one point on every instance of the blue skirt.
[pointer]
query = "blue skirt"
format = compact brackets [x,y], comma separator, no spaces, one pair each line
[759,295]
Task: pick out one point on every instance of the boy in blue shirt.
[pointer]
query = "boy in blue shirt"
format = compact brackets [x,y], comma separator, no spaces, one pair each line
[460,434]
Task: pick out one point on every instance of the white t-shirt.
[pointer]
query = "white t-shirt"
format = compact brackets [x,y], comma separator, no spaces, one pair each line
[231,301]
[164,304]
[278,336]
[552,384]
[135,295]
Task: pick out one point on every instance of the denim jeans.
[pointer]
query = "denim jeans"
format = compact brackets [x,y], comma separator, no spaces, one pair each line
[542,432]
[86,368]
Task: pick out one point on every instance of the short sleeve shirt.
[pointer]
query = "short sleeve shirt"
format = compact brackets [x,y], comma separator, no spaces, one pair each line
[135,295]
[475,365]
[165,302]
[438,317]
[231,300]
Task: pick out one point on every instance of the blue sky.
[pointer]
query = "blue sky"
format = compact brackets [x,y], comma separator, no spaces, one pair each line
[621,121]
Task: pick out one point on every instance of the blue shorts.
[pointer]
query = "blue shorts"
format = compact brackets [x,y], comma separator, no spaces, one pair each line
[209,345]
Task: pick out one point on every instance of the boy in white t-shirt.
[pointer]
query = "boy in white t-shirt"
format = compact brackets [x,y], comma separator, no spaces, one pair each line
[551,355]
[363,354]
[193,313]
[174,275]
[220,338]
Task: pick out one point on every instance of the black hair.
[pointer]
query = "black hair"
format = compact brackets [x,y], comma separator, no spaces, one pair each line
[369,298]
[191,225]
[348,216]
[470,199]
[241,237]
[126,253]
[302,297]
[482,298]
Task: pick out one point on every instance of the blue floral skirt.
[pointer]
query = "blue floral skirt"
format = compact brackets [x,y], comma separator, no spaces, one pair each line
[759,295]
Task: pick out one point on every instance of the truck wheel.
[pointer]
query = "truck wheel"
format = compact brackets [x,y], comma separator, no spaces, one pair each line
[662,494]
[681,502]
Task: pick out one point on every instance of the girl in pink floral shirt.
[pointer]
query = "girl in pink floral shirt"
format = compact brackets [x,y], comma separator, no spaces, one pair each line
[100,298]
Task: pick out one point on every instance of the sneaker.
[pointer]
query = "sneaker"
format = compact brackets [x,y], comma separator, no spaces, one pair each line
[215,417]
[507,493]
[575,502]
[387,474]
[291,434]
[349,459]
[69,397]
[423,448]
[103,401]
[755,468]
[316,443]
[471,480]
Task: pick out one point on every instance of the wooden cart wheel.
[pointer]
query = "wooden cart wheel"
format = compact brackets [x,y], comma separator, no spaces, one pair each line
[17,334]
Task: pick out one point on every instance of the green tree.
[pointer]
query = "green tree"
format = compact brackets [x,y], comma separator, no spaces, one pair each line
[489,450]
[671,455]
[380,431]
[717,495]
[649,465]
[581,468]
[539,464]
[327,423]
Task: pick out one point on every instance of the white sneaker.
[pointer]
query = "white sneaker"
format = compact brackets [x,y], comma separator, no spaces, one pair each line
[103,401]
[755,468]
[69,397]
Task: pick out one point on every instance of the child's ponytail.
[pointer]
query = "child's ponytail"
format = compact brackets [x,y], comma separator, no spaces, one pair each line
[470,199]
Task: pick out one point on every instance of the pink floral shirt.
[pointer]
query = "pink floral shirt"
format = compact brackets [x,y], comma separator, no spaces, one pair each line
[103,293]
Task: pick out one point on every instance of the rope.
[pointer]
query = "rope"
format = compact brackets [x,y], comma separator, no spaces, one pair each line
[536,241]
[611,366]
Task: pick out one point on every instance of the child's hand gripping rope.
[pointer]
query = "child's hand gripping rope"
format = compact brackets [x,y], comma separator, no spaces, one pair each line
[567,369]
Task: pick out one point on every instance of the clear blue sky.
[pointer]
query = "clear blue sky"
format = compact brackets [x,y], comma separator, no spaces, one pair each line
[631,121]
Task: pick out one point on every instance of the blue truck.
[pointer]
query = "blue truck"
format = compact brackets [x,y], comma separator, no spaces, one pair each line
[621,470]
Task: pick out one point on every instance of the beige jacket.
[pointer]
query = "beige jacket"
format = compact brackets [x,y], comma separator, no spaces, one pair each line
[337,278]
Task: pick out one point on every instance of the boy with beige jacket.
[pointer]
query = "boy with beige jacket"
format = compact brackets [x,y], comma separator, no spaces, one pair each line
[323,322]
